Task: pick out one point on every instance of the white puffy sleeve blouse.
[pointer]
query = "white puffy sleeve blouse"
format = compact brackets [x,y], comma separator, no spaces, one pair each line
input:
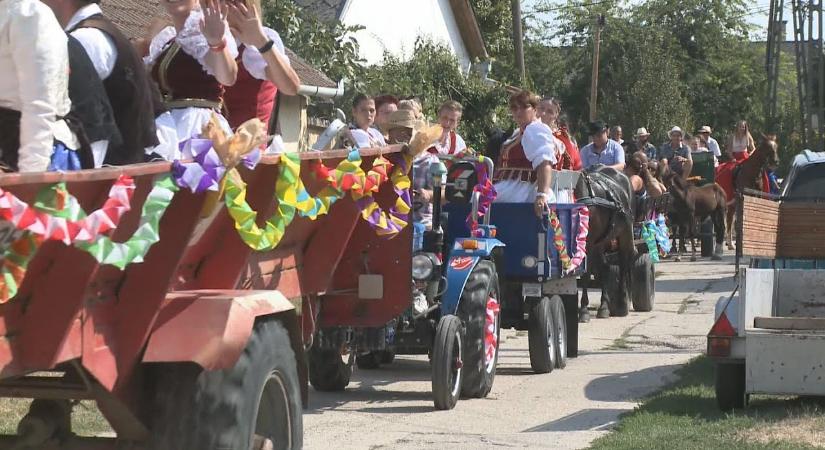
[539,144]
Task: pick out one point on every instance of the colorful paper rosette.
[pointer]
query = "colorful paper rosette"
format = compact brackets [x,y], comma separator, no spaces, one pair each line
[487,194]
[581,241]
[14,264]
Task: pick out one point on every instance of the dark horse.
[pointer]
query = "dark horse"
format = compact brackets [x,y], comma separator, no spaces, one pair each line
[691,206]
[608,195]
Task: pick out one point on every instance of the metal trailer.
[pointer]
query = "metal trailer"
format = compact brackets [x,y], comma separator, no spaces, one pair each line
[769,335]
[202,344]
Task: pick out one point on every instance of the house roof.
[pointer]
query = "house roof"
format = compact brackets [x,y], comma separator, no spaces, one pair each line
[134,17]
[331,10]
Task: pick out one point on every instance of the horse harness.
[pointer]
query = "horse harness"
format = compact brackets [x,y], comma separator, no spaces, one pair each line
[613,201]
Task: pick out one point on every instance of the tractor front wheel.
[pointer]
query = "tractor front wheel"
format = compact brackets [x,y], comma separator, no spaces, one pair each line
[447,362]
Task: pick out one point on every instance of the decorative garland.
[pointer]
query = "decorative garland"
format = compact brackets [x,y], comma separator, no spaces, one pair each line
[389,224]
[121,254]
[487,195]
[76,226]
[14,264]
[570,264]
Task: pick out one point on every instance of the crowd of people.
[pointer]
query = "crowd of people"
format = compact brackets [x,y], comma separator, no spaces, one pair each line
[79,94]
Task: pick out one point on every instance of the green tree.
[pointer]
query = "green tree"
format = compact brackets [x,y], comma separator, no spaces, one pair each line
[328,46]
[432,75]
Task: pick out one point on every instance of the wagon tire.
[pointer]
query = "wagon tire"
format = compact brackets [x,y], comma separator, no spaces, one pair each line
[258,398]
[643,283]
[447,362]
[369,360]
[387,356]
[327,371]
[730,386]
[571,310]
[481,288]
[541,336]
[560,322]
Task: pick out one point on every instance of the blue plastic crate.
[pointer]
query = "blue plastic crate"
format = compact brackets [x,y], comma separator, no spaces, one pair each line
[522,232]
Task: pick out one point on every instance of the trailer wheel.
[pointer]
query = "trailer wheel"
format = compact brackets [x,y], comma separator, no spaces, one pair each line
[327,371]
[479,309]
[730,386]
[447,362]
[541,336]
[571,311]
[643,283]
[258,401]
[560,322]
[368,361]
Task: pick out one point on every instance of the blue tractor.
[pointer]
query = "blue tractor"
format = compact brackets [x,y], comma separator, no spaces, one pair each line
[454,316]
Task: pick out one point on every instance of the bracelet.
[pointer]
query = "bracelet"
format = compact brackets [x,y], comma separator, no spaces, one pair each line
[267,47]
[541,195]
[218,48]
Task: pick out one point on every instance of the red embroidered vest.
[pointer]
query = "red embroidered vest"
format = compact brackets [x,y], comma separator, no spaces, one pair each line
[453,139]
[571,160]
[240,106]
[513,164]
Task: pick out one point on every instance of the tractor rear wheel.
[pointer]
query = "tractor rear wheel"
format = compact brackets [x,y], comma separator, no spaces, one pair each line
[447,362]
[328,372]
[479,309]
[541,336]
[257,401]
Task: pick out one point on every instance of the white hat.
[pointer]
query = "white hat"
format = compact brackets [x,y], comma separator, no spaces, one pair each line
[675,130]
[704,129]
[642,132]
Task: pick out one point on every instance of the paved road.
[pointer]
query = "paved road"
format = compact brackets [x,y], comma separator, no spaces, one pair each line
[621,360]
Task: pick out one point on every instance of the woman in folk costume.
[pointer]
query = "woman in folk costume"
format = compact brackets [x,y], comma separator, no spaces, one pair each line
[192,62]
[568,155]
[524,170]
[34,97]
[263,68]
[450,142]
[361,132]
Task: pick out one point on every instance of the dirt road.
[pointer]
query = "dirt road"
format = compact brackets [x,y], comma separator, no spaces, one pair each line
[621,360]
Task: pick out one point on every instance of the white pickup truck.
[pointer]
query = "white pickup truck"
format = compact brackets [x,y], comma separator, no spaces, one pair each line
[769,335]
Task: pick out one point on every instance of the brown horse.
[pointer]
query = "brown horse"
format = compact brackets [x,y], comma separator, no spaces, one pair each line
[691,206]
[608,194]
[748,175]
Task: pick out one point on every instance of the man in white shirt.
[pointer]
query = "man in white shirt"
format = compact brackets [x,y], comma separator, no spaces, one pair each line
[713,146]
[123,74]
[34,86]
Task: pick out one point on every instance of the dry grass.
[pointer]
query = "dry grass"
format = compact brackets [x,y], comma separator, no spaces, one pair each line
[86,418]
[799,430]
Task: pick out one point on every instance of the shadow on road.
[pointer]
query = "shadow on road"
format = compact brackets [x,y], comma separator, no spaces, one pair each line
[688,285]
[585,420]
[623,386]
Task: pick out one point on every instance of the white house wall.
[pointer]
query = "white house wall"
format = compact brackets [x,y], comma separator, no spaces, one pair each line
[394,25]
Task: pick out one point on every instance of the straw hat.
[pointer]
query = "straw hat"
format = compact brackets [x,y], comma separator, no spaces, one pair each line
[642,132]
[403,118]
[675,130]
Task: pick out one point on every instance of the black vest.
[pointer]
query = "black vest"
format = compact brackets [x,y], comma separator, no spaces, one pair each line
[130,93]
[90,104]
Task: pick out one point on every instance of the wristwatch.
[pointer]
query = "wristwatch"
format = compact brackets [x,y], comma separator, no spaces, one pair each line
[267,47]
